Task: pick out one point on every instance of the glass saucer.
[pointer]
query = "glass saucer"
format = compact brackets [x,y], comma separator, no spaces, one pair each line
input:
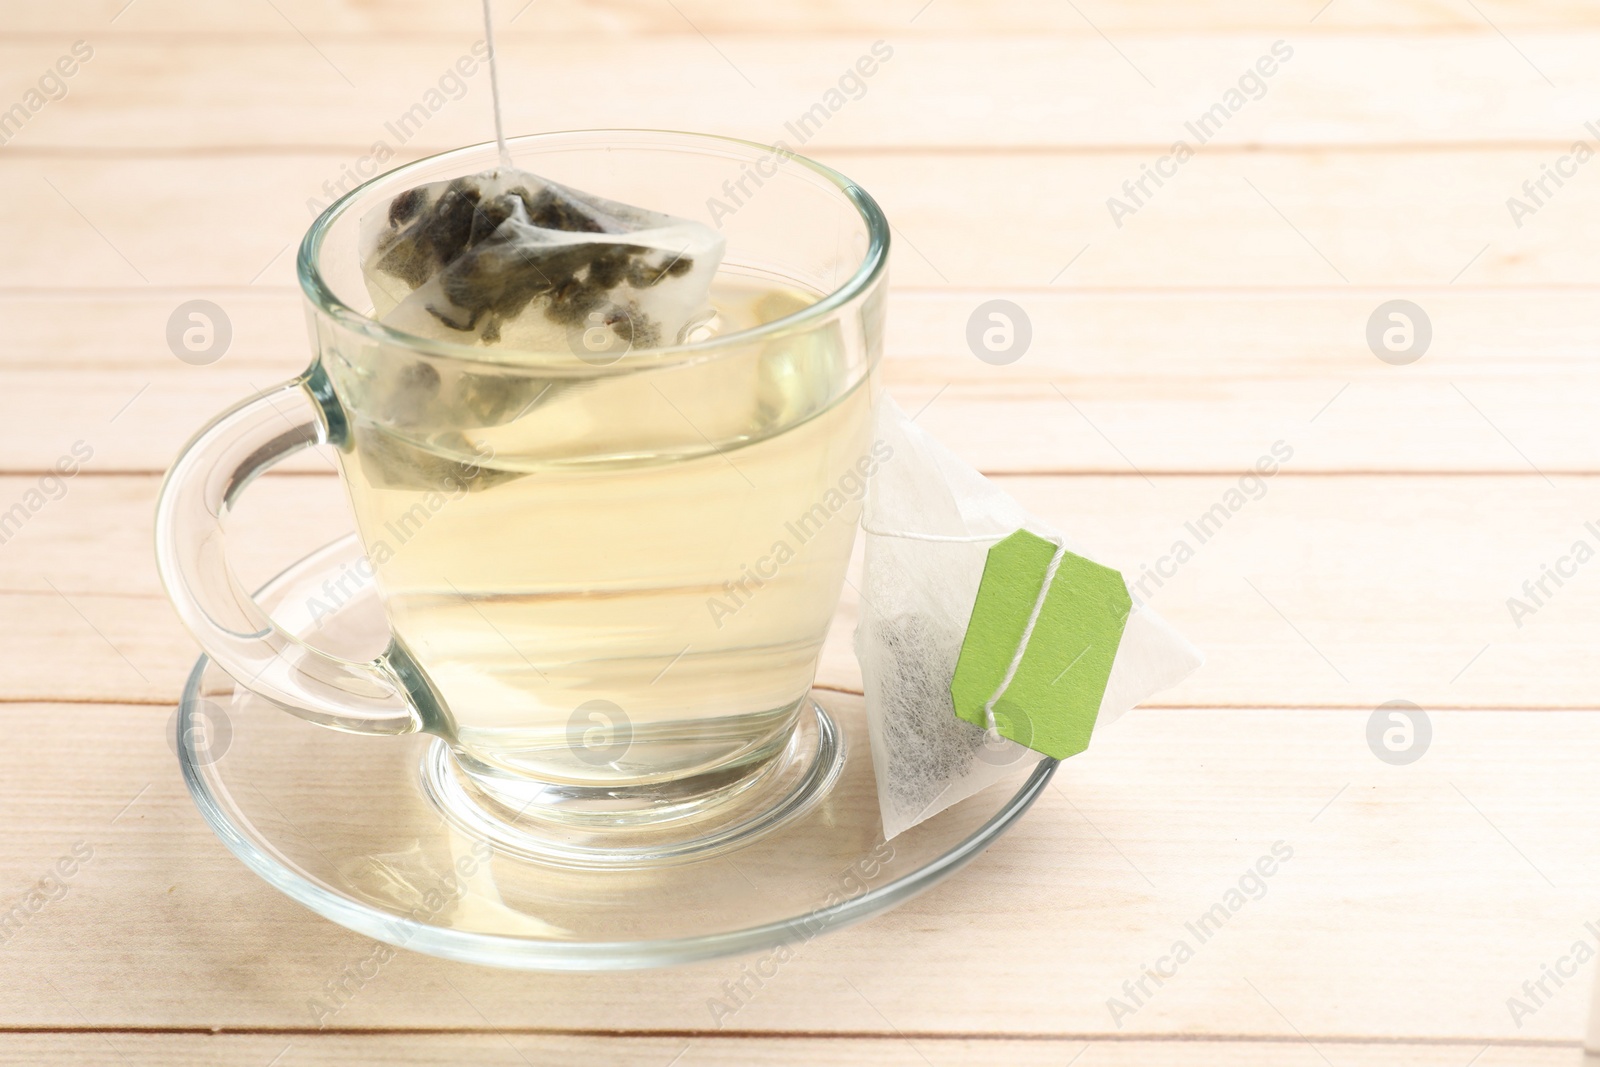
[346,825]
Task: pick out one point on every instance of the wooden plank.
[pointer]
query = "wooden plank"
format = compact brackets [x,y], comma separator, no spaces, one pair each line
[1418,917]
[1160,382]
[972,90]
[705,1050]
[1275,220]
[906,17]
[1170,352]
[1342,592]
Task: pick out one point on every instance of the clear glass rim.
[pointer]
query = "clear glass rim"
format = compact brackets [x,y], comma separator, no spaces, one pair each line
[216,805]
[321,295]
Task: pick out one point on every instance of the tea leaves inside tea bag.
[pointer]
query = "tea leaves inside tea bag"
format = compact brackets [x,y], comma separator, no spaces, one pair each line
[511,262]
[507,258]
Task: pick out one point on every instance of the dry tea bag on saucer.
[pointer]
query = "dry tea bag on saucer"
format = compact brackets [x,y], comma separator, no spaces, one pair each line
[981,627]
[507,258]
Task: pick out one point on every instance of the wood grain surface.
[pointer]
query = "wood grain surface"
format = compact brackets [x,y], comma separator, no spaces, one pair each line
[1173,345]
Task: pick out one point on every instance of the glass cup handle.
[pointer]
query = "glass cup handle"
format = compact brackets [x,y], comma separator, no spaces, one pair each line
[208,477]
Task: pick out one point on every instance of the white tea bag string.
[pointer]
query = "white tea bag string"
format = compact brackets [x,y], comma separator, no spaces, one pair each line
[907,535]
[1027,635]
[1033,617]
[494,86]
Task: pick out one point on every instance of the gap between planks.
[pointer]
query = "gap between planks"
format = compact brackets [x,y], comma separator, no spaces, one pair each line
[1092,1036]
[782,33]
[113,153]
[1120,472]
[1151,292]
[158,702]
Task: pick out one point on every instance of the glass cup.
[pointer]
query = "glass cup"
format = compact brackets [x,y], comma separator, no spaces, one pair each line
[607,573]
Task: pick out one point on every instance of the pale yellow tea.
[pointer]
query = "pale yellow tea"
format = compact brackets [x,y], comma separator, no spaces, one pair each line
[620,573]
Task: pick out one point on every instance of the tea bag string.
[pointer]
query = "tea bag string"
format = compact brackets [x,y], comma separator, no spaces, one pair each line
[1027,635]
[494,86]
[1033,616]
[907,535]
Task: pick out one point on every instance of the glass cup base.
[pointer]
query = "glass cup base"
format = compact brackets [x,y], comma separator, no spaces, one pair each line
[345,824]
[674,822]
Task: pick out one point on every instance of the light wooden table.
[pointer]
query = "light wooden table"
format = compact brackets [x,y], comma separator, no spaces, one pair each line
[1227,313]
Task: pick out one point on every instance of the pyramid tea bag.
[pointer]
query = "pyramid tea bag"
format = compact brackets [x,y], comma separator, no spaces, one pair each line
[507,258]
[515,263]
[929,523]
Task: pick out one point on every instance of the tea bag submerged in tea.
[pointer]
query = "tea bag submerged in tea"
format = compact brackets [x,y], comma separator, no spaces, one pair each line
[929,523]
[511,261]
[507,258]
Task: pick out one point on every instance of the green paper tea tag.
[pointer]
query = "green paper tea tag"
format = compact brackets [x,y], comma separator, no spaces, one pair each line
[1066,615]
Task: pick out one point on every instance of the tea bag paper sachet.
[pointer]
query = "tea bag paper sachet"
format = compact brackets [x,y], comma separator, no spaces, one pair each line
[515,263]
[507,258]
[929,524]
